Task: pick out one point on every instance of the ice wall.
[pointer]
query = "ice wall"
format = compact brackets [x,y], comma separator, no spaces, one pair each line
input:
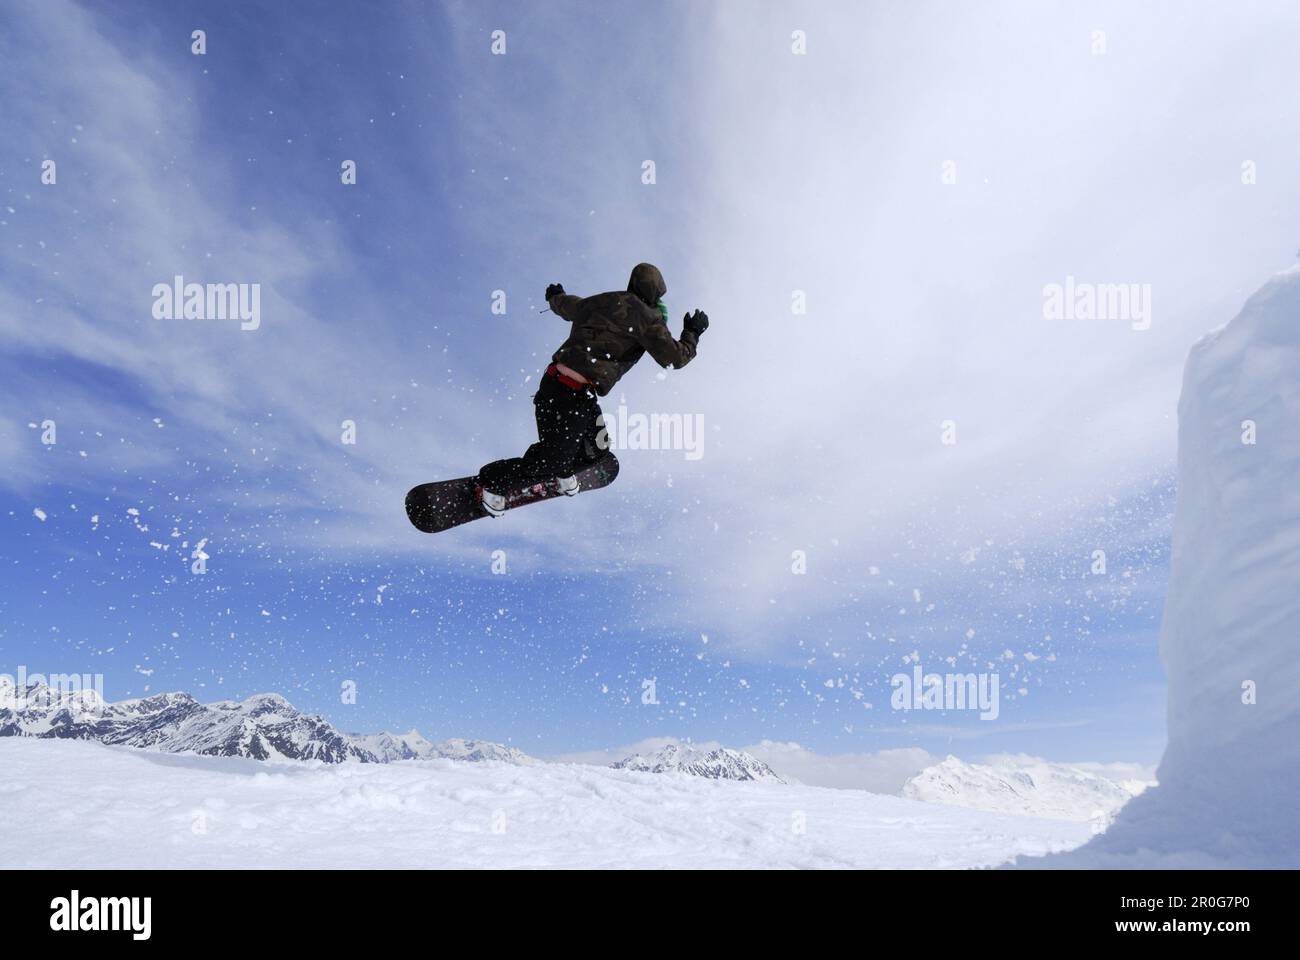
[1229,790]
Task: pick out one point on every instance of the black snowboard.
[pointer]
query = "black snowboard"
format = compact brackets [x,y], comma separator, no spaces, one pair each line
[433,507]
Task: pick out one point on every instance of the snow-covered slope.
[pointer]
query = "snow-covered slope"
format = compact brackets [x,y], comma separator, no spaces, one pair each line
[717,764]
[1024,785]
[84,805]
[262,727]
[1229,790]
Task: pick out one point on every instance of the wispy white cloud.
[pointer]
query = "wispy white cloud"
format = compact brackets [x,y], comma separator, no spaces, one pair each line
[924,300]
[1120,772]
[974,731]
[881,771]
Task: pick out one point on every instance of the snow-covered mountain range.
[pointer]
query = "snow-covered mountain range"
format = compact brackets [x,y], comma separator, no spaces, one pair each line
[267,726]
[720,763]
[1024,785]
[263,727]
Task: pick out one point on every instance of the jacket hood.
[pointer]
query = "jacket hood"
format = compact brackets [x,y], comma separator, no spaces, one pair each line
[647,283]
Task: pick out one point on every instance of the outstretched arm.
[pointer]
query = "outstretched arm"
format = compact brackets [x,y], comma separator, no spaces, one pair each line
[659,343]
[563,304]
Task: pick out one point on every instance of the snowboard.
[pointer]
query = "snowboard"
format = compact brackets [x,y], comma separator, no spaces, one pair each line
[438,506]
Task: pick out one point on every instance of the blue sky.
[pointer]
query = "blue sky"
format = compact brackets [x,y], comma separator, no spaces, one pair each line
[775,173]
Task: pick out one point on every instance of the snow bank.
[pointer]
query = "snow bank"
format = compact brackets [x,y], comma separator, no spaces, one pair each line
[67,803]
[1229,792]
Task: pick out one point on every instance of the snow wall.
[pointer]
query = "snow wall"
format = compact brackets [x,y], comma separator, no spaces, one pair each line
[1229,791]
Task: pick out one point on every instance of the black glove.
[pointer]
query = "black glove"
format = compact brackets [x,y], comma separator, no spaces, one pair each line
[696,322]
[554,290]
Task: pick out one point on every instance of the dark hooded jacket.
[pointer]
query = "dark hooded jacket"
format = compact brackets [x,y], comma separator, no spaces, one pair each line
[612,330]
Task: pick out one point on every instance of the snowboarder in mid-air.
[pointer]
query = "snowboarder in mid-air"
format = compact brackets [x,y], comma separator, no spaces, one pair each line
[610,332]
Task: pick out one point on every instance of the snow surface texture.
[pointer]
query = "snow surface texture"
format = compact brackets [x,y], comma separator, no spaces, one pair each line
[1229,792]
[78,804]
[1024,785]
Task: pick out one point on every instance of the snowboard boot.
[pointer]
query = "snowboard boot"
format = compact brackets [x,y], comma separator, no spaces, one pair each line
[493,504]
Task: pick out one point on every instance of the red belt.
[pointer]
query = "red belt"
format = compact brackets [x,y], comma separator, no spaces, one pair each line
[553,371]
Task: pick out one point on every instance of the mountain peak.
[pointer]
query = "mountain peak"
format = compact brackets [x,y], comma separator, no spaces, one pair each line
[719,763]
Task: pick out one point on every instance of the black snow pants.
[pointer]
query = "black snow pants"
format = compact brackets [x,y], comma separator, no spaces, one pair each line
[567,432]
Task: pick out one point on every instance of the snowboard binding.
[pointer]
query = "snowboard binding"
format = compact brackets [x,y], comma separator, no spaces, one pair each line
[432,507]
[496,504]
